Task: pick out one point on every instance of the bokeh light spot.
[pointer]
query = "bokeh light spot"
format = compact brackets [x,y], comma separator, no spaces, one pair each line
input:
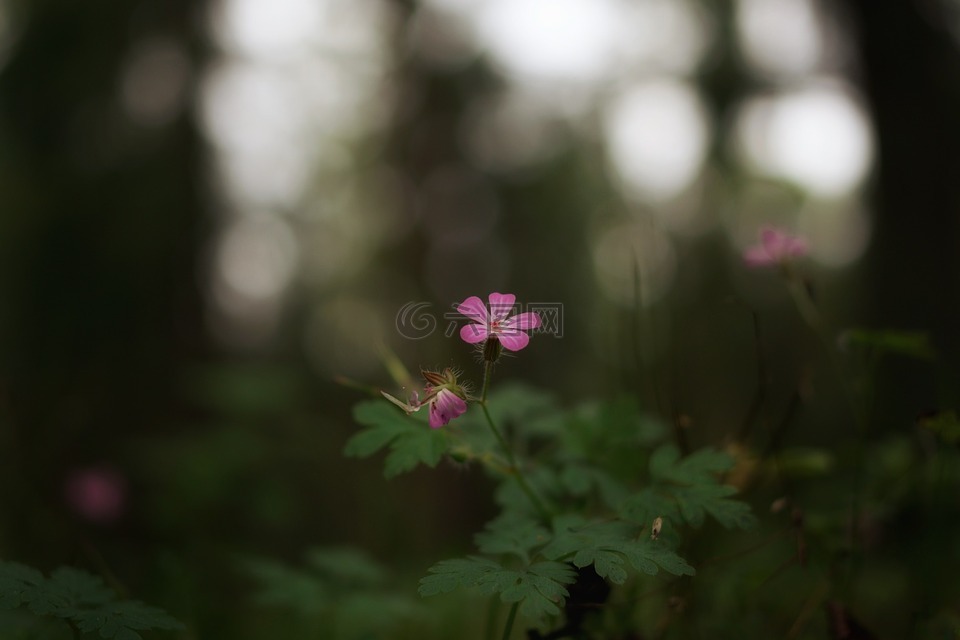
[657,136]
[780,37]
[816,136]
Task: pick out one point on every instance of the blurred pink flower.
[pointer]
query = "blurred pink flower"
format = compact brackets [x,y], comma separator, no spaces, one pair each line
[775,247]
[444,396]
[96,493]
[496,324]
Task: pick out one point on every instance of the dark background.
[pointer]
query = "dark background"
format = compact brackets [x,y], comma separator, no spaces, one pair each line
[114,355]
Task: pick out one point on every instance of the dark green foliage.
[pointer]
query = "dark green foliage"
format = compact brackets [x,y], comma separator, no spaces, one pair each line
[80,598]
[342,588]
[607,545]
[945,425]
[539,587]
[581,462]
[410,440]
[513,534]
[911,344]
[688,489]
[580,479]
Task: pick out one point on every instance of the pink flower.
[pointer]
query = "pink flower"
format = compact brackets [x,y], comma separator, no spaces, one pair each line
[444,396]
[775,247]
[97,494]
[446,406]
[496,324]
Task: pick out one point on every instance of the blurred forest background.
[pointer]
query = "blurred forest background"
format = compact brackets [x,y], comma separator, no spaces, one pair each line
[211,209]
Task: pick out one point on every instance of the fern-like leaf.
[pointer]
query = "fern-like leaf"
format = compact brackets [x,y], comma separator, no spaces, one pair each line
[609,546]
[410,440]
[539,588]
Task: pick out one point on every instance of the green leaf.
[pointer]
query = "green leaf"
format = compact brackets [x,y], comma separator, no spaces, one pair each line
[944,424]
[804,462]
[281,585]
[697,501]
[370,615]
[512,533]
[346,565]
[17,583]
[580,479]
[688,488]
[614,428]
[538,588]
[343,586]
[511,497]
[608,546]
[699,467]
[649,503]
[122,620]
[531,411]
[448,575]
[81,597]
[411,441]
[912,344]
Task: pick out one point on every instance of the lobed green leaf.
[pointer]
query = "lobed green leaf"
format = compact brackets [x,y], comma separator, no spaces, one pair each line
[609,545]
[512,533]
[411,441]
[81,597]
[539,588]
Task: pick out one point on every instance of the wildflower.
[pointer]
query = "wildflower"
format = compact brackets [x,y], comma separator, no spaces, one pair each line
[509,332]
[97,494]
[445,397]
[775,247]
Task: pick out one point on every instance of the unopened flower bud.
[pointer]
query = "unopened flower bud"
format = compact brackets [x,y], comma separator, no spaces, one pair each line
[491,349]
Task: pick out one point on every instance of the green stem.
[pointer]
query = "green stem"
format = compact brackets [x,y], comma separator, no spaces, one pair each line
[492,612]
[508,628]
[507,451]
[812,317]
[517,474]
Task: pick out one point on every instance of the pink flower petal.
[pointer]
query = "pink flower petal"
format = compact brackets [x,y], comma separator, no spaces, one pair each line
[757,256]
[529,320]
[513,340]
[796,246]
[775,246]
[473,333]
[474,309]
[773,240]
[501,304]
[445,408]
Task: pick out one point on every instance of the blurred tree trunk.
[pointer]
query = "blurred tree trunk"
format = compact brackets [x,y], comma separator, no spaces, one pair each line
[912,79]
[101,226]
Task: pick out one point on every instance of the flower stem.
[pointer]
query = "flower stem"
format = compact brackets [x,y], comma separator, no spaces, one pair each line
[811,315]
[508,628]
[508,452]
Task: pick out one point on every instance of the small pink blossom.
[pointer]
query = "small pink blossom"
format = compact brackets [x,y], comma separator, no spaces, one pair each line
[496,324]
[446,406]
[775,247]
[97,494]
[444,396]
